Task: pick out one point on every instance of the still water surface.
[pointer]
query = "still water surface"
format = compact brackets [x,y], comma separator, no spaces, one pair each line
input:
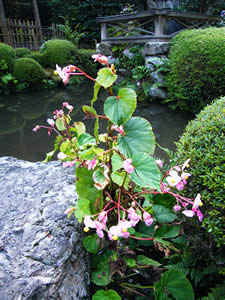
[20,113]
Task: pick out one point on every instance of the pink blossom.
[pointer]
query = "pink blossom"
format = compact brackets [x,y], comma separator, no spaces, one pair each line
[69,107]
[88,222]
[69,210]
[91,164]
[127,165]
[61,155]
[49,132]
[63,74]
[133,216]
[36,128]
[186,164]
[147,218]
[185,175]
[118,129]
[100,58]
[159,162]
[197,202]
[173,178]
[120,230]
[180,185]
[68,163]
[195,209]
[177,207]
[51,122]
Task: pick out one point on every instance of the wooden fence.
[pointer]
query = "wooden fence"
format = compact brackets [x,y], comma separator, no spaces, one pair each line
[28,34]
[156,25]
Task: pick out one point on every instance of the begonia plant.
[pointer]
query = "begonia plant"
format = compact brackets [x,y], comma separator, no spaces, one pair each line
[124,199]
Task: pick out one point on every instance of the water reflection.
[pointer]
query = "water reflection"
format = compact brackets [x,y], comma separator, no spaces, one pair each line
[20,113]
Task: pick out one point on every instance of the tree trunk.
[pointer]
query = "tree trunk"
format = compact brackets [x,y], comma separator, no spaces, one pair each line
[36,13]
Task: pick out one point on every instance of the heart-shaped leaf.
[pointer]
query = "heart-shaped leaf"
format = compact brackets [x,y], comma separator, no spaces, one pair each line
[144,260]
[85,139]
[138,137]
[146,172]
[91,243]
[120,109]
[163,214]
[105,78]
[106,295]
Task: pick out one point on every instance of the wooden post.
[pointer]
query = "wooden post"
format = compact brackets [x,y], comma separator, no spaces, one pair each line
[159,25]
[36,13]
[3,23]
[103,31]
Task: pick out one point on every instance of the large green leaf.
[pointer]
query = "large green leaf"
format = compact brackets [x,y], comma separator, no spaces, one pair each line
[144,260]
[146,172]
[96,90]
[85,139]
[82,209]
[117,162]
[105,78]
[101,275]
[91,243]
[174,282]
[119,178]
[85,187]
[138,137]
[106,295]
[163,214]
[167,231]
[120,109]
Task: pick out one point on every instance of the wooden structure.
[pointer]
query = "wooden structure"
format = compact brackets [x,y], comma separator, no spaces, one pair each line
[156,25]
[28,34]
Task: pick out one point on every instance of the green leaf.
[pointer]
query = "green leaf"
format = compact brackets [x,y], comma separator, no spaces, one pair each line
[80,128]
[50,154]
[105,77]
[101,275]
[138,137]
[130,262]
[163,214]
[146,172]
[118,178]
[96,131]
[65,146]
[82,209]
[60,124]
[91,243]
[144,260]
[101,177]
[167,231]
[120,109]
[90,111]
[96,90]
[117,162]
[85,188]
[174,282]
[106,295]
[85,139]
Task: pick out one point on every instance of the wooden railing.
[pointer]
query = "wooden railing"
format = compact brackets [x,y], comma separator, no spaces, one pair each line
[28,34]
[152,25]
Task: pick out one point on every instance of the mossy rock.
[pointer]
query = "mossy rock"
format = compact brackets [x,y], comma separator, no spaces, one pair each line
[197,62]
[203,141]
[22,52]
[61,52]
[39,57]
[28,70]
[8,54]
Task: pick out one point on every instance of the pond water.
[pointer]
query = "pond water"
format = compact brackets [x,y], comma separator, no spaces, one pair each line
[20,113]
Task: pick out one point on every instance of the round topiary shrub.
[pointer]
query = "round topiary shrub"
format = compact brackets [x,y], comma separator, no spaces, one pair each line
[28,70]
[59,52]
[197,61]
[203,141]
[8,54]
[22,52]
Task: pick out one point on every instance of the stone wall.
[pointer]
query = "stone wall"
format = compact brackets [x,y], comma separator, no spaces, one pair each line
[41,252]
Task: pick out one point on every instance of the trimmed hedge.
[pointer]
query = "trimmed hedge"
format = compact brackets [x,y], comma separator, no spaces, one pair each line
[22,52]
[28,70]
[197,76]
[8,54]
[203,141]
[61,52]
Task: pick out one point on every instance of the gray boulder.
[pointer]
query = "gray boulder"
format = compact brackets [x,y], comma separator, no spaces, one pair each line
[157,77]
[41,253]
[157,93]
[104,49]
[156,48]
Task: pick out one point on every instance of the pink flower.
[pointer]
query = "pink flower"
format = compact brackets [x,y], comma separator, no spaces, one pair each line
[127,165]
[118,129]
[159,162]
[69,107]
[100,58]
[177,207]
[91,164]
[180,185]
[69,210]
[173,178]
[120,230]
[68,164]
[63,74]
[51,122]
[88,222]
[133,216]
[61,155]
[195,209]
[147,218]
[36,128]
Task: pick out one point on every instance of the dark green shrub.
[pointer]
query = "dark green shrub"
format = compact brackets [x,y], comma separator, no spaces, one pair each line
[203,141]
[39,57]
[28,70]
[7,54]
[84,61]
[197,76]
[61,52]
[22,52]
